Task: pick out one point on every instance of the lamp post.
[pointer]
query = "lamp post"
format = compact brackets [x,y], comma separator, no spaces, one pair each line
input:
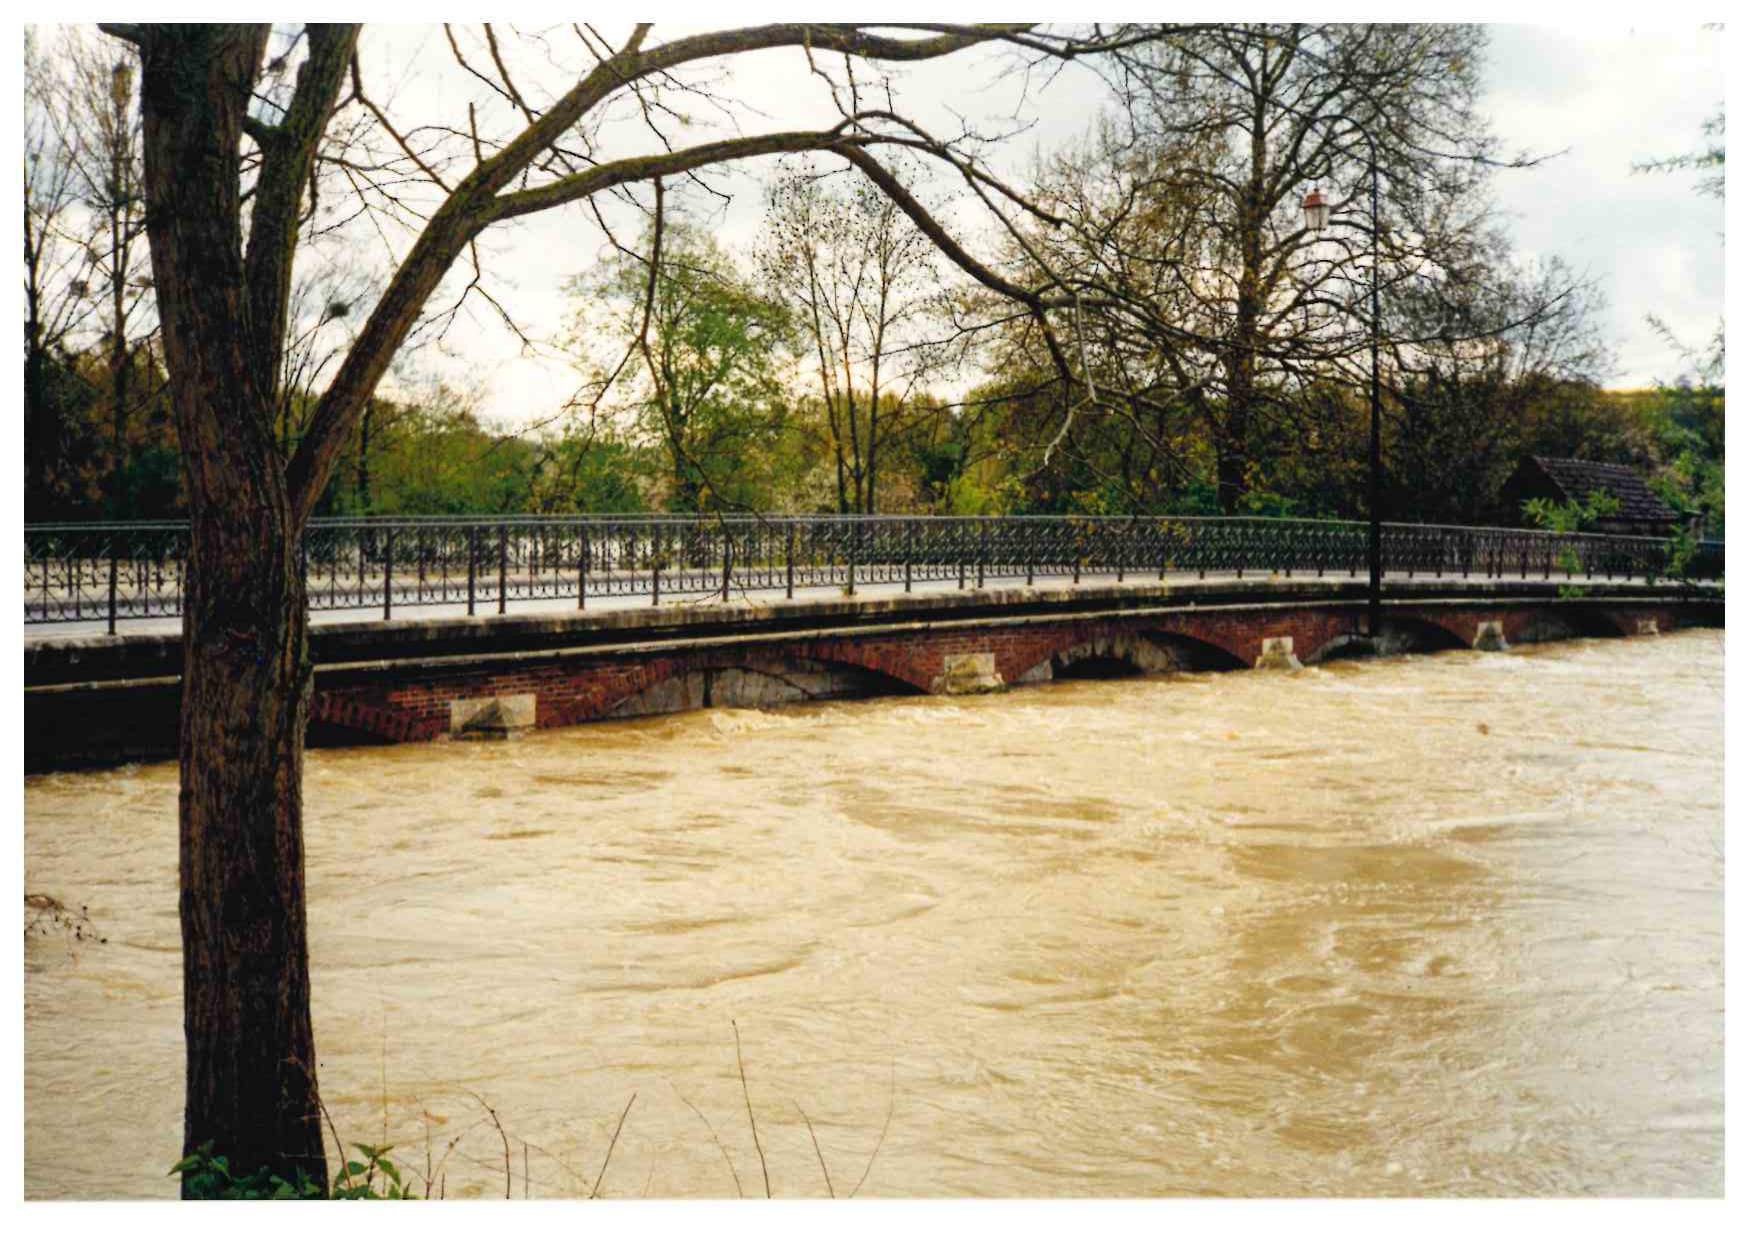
[1317,219]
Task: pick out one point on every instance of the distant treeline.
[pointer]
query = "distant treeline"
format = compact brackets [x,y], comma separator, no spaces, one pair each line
[1448,448]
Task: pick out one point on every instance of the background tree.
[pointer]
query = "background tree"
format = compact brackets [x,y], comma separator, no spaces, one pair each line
[1178,239]
[57,272]
[866,289]
[707,349]
[1471,398]
[99,126]
[1690,410]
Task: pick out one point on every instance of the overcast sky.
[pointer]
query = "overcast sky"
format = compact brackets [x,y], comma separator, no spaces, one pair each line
[1604,97]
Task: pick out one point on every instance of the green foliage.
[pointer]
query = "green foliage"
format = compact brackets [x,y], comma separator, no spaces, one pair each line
[584,473]
[697,377]
[1573,516]
[72,472]
[968,497]
[1682,550]
[208,1177]
[1687,420]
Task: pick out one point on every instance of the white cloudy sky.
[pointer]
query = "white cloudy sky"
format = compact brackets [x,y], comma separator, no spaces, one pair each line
[1604,96]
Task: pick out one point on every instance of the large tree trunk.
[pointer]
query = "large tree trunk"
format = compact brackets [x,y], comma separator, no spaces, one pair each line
[1231,434]
[1232,442]
[41,443]
[251,1081]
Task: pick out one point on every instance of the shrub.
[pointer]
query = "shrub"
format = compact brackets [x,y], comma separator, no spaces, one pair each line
[208,1177]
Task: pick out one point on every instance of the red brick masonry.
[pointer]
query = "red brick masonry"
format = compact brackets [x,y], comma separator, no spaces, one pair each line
[413,703]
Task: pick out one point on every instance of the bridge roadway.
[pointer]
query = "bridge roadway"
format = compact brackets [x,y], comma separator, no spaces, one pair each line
[433,671]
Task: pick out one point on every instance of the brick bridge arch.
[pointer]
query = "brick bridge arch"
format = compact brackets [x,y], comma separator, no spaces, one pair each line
[1140,647]
[351,717]
[1404,633]
[1536,622]
[791,673]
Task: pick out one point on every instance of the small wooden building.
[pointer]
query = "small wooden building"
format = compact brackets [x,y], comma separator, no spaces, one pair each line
[1564,480]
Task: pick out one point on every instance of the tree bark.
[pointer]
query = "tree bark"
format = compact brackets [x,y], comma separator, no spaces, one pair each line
[1232,442]
[251,1066]
[1232,433]
[41,441]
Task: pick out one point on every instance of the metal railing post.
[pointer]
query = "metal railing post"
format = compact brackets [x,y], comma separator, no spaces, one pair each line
[982,550]
[472,563]
[855,538]
[112,576]
[789,561]
[388,574]
[582,564]
[503,566]
[909,551]
[727,560]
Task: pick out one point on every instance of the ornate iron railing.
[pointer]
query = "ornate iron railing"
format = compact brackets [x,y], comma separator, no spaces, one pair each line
[113,572]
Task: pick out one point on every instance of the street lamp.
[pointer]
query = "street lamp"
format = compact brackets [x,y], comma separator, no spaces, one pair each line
[1316,220]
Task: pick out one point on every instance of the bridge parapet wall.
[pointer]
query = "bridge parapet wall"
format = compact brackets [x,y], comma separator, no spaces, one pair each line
[415,698]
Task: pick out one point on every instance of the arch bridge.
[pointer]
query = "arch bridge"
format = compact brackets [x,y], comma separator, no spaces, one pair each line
[94,698]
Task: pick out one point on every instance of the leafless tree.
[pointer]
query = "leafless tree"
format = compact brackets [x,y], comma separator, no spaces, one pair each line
[59,268]
[93,110]
[867,286]
[1174,244]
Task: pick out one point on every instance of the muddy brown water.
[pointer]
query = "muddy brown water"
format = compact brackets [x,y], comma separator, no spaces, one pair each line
[1441,924]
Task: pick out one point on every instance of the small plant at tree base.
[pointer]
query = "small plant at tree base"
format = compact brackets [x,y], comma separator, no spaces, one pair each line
[208,1177]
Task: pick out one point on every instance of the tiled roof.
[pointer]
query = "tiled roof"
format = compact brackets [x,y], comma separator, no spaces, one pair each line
[1579,478]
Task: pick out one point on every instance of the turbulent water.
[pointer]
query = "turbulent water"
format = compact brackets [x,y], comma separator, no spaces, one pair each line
[1431,925]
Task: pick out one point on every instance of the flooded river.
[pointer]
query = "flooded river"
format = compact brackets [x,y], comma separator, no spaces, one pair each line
[1441,924]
